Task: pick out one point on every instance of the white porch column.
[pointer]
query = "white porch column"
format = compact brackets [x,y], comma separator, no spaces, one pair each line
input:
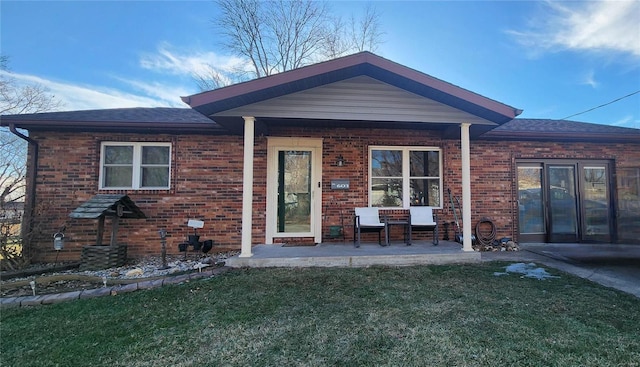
[247,186]
[466,186]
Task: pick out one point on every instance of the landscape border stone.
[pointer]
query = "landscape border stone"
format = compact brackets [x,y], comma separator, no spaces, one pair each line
[93,293]
[60,297]
[46,299]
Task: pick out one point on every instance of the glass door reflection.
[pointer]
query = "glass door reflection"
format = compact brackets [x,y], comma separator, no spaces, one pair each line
[563,210]
[294,191]
[530,203]
[595,201]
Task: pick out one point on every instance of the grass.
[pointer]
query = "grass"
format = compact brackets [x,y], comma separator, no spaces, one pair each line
[416,316]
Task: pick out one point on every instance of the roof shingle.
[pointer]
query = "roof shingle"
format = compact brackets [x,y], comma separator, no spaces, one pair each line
[153,119]
[547,129]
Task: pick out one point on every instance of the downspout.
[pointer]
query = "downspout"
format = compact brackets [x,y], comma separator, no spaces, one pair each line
[32,169]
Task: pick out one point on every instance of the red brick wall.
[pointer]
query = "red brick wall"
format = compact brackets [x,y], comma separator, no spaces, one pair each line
[207,183]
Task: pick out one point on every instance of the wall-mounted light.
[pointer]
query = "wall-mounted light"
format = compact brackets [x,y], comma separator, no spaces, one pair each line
[58,241]
[340,161]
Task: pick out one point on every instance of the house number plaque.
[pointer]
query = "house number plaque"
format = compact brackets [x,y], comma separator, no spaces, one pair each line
[339,184]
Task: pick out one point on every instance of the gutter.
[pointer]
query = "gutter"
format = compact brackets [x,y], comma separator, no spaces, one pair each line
[32,167]
[541,136]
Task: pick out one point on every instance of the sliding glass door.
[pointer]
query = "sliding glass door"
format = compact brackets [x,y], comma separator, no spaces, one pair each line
[595,203]
[563,206]
[564,201]
[532,222]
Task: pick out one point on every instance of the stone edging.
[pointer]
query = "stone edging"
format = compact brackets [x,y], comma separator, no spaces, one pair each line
[47,299]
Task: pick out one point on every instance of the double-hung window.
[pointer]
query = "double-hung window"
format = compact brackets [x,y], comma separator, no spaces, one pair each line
[400,177]
[143,166]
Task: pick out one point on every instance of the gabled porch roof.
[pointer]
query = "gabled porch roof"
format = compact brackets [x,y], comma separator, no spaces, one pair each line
[227,105]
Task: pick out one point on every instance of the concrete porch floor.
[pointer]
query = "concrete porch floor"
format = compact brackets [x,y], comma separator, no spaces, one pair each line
[345,254]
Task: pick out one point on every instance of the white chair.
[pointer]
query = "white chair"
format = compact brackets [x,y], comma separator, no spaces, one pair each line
[421,218]
[367,220]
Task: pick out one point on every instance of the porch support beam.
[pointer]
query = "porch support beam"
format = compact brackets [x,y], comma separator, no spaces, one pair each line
[466,186]
[247,186]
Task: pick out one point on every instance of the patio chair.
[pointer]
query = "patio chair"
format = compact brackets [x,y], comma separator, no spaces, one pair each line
[421,218]
[367,220]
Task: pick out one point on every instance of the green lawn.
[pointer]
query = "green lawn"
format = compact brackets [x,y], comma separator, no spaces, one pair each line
[419,316]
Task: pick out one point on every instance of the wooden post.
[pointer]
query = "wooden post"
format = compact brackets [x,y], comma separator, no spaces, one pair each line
[247,187]
[466,186]
[114,224]
[114,230]
[100,230]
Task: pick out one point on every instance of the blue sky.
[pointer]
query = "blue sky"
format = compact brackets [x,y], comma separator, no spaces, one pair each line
[552,59]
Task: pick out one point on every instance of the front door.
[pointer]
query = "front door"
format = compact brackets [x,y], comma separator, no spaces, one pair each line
[294,193]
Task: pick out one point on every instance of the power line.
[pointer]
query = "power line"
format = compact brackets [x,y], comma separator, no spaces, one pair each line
[602,105]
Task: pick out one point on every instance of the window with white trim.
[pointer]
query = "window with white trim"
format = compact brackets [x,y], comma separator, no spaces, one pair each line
[143,166]
[400,177]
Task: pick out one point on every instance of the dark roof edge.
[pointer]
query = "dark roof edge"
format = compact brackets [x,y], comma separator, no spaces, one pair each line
[561,130]
[558,137]
[120,126]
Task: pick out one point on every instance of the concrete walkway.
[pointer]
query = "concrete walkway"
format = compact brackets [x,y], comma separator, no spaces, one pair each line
[611,265]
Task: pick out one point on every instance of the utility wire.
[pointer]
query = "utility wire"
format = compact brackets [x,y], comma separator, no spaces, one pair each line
[602,105]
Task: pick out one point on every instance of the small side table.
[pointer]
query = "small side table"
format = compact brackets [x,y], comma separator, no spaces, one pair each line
[406,228]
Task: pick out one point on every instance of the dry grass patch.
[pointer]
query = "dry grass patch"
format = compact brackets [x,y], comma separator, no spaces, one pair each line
[416,316]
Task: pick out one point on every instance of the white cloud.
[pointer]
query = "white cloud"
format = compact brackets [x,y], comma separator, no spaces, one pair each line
[169,94]
[627,121]
[86,97]
[171,65]
[599,26]
[590,80]
[190,63]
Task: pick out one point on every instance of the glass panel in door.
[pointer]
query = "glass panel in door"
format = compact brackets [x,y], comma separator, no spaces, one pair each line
[294,191]
[530,202]
[629,204]
[563,211]
[595,201]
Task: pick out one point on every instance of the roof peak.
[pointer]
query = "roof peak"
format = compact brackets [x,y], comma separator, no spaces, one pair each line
[362,63]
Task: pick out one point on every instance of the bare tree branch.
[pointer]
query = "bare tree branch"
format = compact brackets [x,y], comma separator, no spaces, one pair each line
[365,33]
[210,79]
[16,99]
[20,99]
[281,35]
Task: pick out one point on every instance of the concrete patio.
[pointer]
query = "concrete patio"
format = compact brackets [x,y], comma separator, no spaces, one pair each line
[345,254]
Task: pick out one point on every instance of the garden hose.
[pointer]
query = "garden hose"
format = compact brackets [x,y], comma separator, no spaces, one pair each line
[484,237]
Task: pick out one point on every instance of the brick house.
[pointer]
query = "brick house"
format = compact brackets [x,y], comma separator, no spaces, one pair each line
[259,162]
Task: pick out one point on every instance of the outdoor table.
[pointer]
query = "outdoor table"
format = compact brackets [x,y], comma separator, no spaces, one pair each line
[406,227]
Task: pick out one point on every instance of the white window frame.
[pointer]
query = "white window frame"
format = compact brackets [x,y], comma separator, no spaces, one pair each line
[406,170]
[136,165]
